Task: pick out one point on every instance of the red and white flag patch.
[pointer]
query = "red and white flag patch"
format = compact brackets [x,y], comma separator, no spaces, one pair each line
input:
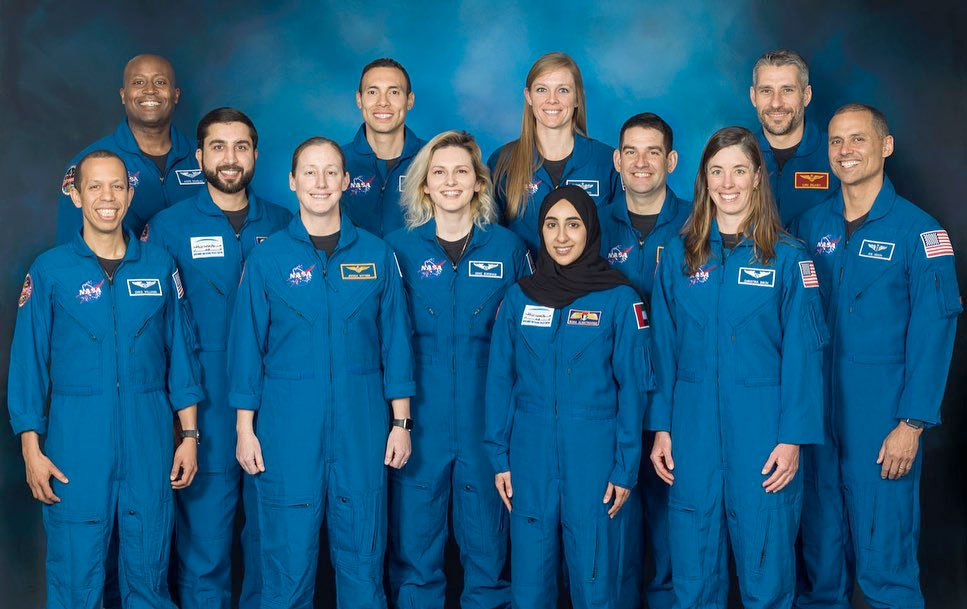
[808,272]
[176,277]
[641,318]
[936,243]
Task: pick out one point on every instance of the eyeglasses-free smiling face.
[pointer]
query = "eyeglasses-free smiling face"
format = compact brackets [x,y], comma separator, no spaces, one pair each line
[384,100]
[779,98]
[319,179]
[856,151]
[104,195]
[553,98]
[565,234]
[451,181]
[228,157]
[149,94]
[731,177]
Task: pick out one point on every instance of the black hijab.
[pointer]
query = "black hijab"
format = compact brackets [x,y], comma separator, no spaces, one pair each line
[557,286]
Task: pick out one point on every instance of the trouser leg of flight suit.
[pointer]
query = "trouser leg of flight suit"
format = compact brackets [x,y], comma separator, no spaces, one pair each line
[251,593]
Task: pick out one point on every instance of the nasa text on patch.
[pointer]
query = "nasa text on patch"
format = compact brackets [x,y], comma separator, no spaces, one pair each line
[144,287]
[879,250]
[580,317]
[207,247]
[190,177]
[812,180]
[535,315]
[590,186]
[486,268]
[363,270]
[765,278]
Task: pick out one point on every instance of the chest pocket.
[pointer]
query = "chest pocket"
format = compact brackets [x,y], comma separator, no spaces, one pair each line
[358,312]
[292,316]
[147,343]
[208,291]
[480,318]
[426,315]
[77,351]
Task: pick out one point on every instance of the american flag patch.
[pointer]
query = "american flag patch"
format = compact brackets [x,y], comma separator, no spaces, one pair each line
[809,277]
[176,277]
[936,243]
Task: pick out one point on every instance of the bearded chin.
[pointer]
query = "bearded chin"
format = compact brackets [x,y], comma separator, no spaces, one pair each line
[229,189]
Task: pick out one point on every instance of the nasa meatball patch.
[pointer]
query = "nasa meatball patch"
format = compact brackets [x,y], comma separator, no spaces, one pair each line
[25,291]
[67,184]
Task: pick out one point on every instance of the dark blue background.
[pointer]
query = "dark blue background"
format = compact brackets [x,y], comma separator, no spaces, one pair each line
[294,68]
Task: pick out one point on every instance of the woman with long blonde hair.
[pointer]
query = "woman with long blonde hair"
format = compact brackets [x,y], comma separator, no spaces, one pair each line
[739,335]
[553,148]
[456,265]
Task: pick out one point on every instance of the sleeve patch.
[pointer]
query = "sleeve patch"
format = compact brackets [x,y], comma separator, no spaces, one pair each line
[807,270]
[176,277]
[26,291]
[397,261]
[530,261]
[67,185]
[641,317]
[144,234]
[936,243]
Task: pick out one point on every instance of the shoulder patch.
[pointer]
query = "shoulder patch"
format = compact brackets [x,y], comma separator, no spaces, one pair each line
[936,243]
[641,317]
[180,289]
[807,270]
[144,234]
[67,184]
[25,291]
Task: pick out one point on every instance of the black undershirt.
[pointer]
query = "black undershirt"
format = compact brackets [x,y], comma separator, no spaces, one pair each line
[729,241]
[109,266]
[160,161]
[236,219]
[555,169]
[643,223]
[852,225]
[784,154]
[326,243]
[391,163]
[454,249]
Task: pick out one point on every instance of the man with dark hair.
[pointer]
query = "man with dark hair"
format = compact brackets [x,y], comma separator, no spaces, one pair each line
[381,152]
[891,296]
[793,148]
[161,167]
[210,236]
[104,336]
[634,231]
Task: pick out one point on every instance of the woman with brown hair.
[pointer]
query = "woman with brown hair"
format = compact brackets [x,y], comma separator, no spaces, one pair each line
[553,149]
[739,332]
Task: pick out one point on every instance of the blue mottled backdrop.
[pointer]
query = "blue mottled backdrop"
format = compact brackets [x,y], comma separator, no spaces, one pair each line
[293,67]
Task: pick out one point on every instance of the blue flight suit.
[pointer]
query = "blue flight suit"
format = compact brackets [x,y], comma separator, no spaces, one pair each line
[453,312]
[892,302]
[805,180]
[565,397]
[115,359]
[210,257]
[739,360]
[623,248]
[153,191]
[373,198]
[318,346]
[591,166]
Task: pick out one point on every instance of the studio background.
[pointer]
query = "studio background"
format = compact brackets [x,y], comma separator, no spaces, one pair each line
[294,69]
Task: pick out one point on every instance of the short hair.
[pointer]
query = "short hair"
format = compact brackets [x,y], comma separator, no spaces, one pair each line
[225,115]
[648,120]
[879,119]
[317,140]
[419,206]
[98,154]
[783,57]
[385,62]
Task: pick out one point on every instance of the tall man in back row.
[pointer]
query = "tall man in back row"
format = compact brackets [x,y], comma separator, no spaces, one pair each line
[378,157]
[160,160]
[794,149]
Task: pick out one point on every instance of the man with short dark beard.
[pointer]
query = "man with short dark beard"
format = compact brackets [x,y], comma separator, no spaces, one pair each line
[210,236]
[794,149]
[161,167]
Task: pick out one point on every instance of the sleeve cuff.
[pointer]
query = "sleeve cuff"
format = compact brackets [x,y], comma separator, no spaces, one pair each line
[244,401]
[22,425]
[405,389]
[183,398]
[623,479]
[500,463]
[658,419]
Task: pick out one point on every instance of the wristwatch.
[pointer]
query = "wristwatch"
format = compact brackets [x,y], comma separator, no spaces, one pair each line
[914,423]
[191,433]
[406,424]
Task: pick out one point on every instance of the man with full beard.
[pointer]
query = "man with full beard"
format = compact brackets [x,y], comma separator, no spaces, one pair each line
[161,167]
[794,149]
[210,236]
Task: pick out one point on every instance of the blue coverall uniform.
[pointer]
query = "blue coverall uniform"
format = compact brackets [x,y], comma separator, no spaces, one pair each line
[115,358]
[565,397]
[739,360]
[623,248]
[805,180]
[373,198]
[318,345]
[892,302]
[453,312]
[591,166]
[210,257]
[153,191]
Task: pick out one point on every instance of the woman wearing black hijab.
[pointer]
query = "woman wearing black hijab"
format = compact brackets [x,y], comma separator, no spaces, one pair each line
[566,389]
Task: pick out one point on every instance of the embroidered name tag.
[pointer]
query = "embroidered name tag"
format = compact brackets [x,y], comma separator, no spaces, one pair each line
[485,268]
[365,270]
[881,250]
[144,287]
[578,317]
[207,247]
[590,186]
[812,180]
[190,177]
[537,316]
[765,278]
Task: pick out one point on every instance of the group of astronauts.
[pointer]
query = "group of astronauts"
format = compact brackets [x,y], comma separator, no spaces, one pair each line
[575,365]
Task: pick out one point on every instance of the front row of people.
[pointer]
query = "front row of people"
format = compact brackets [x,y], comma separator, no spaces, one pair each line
[755,353]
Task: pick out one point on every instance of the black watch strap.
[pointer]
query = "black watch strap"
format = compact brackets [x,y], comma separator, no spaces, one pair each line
[406,424]
[191,433]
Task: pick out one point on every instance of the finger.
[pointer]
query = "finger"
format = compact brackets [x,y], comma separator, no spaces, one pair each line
[503,494]
[191,475]
[879,457]
[388,457]
[259,464]
[608,493]
[895,468]
[669,462]
[770,463]
[175,467]
[56,473]
[48,492]
[663,473]
[779,484]
[510,487]
[771,480]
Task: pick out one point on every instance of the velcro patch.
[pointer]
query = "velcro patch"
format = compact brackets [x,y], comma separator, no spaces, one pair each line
[353,271]
[641,317]
[765,278]
[936,243]
[144,287]
[808,272]
[580,317]
[486,268]
[590,186]
[539,316]
[812,180]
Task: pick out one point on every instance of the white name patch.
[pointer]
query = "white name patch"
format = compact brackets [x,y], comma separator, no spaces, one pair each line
[765,278]
[207,247]
[537,316]
[880,250]
[190,177]
[590,186]
[144,287]
[486,268]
